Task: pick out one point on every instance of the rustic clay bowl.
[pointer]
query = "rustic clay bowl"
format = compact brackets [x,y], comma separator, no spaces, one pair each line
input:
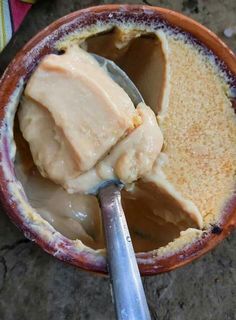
[18,72]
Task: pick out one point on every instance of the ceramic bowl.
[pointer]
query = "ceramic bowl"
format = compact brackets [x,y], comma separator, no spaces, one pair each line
[10,89]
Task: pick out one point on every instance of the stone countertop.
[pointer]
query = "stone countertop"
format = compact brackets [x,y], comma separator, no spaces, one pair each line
[36,286]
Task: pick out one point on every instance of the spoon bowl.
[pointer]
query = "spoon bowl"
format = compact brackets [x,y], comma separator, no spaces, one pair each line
[121,78]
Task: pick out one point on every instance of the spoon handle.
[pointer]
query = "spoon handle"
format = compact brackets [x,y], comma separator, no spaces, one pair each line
[129,296]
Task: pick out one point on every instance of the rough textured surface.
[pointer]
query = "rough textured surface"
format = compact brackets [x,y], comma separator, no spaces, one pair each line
[35,286]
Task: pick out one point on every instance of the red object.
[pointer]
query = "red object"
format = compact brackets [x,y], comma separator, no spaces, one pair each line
[18,11]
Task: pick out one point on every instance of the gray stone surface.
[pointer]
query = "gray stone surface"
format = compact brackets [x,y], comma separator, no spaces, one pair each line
[35,286]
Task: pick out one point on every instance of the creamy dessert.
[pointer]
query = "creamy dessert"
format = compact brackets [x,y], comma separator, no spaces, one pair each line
[81,111]
[173,191]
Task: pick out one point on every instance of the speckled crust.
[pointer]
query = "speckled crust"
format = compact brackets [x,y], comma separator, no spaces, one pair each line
[33,226]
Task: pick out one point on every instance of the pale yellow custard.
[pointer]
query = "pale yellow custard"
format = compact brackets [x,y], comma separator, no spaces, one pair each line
[173,191]
[85,114]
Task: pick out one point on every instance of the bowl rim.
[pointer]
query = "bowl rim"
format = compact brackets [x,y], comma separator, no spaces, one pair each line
[148,263]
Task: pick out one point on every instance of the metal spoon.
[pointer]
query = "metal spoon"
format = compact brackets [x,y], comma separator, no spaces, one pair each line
[129,297]
[120,77]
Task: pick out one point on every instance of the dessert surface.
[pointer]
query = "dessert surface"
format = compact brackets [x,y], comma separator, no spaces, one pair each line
[169,197]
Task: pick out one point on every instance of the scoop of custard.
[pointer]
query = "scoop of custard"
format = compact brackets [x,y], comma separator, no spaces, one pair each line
[82,127]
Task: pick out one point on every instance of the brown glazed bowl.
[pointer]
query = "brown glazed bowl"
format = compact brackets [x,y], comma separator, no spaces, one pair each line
[17,73]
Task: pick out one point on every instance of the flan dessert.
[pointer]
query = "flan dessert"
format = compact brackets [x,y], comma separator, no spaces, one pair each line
[175,153]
